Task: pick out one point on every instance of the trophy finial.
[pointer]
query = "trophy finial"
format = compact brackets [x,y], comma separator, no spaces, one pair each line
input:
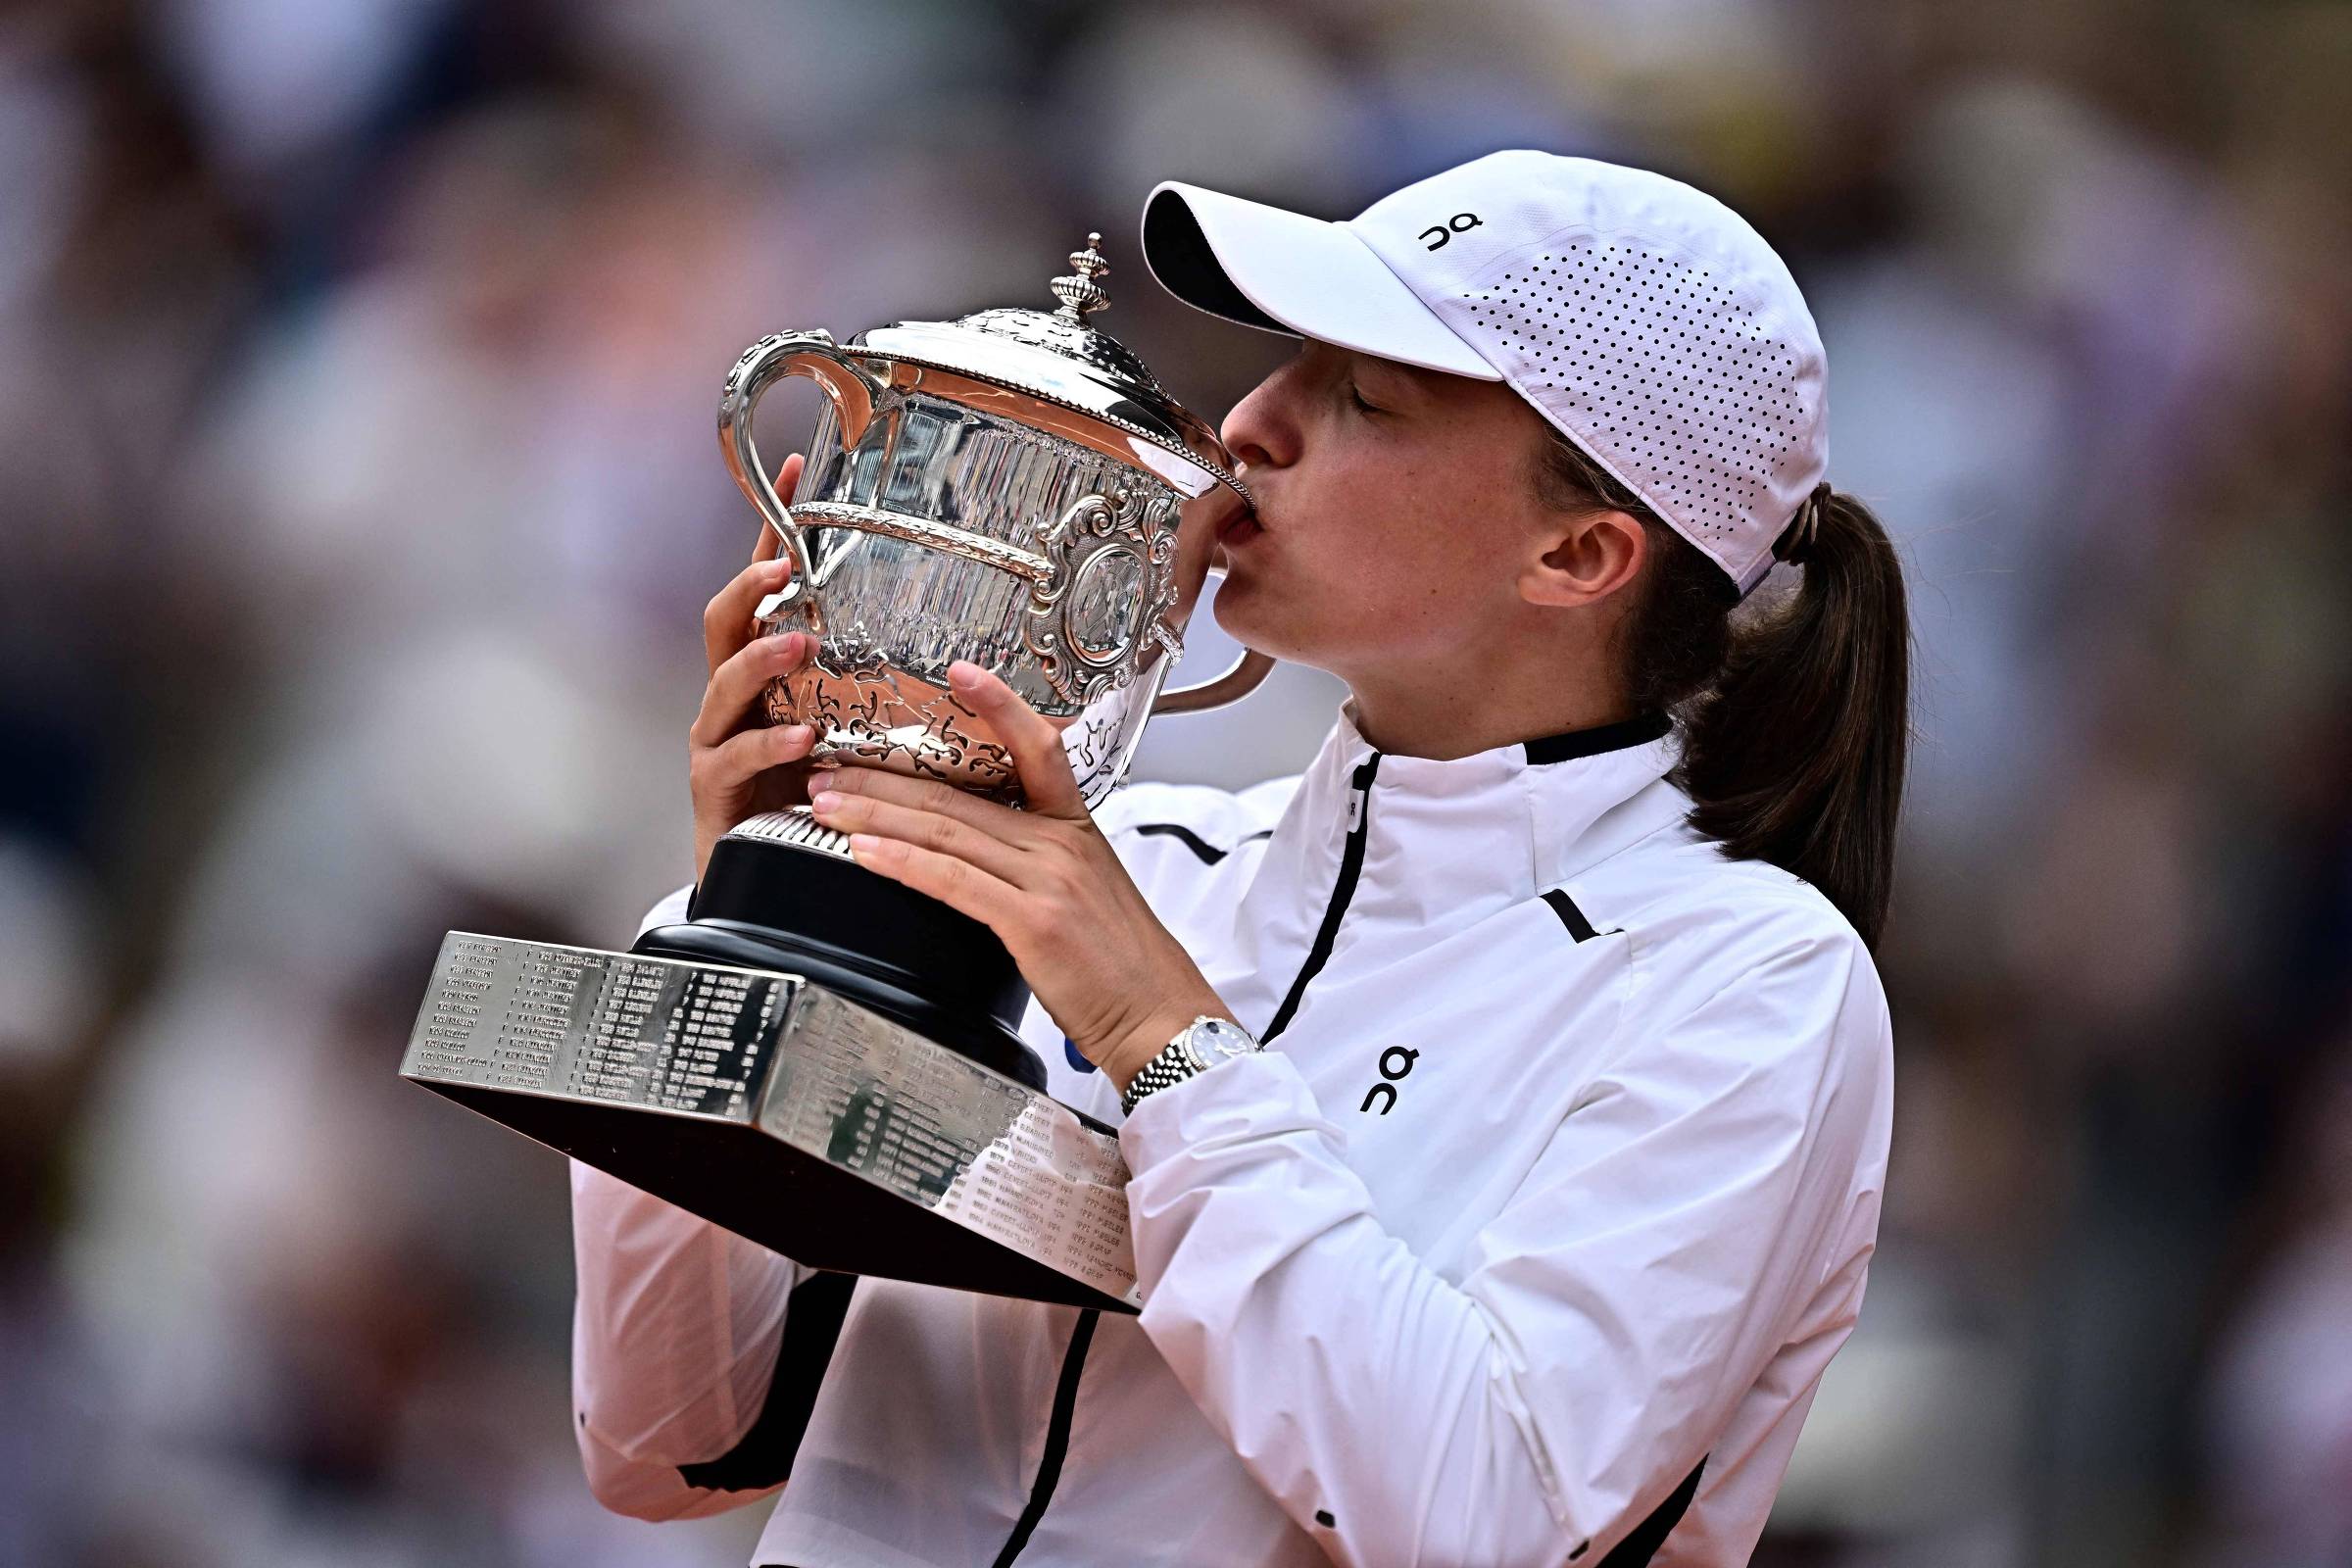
[1079,293]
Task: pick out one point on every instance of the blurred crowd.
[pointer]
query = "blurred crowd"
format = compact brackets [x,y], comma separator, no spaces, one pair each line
[359,497]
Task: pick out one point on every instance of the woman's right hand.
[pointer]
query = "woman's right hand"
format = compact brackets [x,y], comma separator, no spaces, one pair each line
[737,764]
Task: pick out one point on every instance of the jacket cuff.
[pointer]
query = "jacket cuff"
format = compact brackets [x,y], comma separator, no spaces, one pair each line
[1250,1098]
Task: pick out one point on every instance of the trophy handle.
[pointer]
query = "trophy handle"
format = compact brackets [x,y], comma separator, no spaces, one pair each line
[1235,684]
[1244,676]
[814,354]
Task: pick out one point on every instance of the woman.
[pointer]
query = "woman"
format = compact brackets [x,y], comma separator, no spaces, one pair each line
[1528,1237]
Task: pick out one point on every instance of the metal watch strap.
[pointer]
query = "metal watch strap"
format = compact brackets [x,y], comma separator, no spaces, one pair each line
[1178,1061]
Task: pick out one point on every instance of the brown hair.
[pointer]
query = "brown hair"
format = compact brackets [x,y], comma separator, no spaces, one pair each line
[1794,710]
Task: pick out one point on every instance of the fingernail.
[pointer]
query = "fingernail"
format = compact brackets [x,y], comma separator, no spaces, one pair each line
[963,672]
[863,843]
[822,779]
[796,733]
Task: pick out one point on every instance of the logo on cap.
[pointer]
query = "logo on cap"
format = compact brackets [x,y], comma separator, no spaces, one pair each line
[1458,223]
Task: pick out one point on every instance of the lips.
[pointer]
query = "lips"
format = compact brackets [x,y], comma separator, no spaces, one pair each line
[1238,529]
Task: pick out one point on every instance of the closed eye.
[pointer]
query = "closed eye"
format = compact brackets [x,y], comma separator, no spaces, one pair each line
[1356,395]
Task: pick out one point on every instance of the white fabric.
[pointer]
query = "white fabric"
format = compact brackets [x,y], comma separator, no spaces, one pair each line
[1641,316]
[1321,280]
[1616,1216]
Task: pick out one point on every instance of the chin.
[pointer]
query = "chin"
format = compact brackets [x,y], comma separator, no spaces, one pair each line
[1244,616]
[1234,614]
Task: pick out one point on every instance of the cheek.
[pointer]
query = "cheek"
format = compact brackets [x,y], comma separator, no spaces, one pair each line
[1371,582]
[1397,544]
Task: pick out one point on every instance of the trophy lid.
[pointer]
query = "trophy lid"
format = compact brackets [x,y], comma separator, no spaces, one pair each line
[1057,356]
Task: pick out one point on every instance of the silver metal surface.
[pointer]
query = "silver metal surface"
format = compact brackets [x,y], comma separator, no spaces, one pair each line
[1059,358]
[1007,488]
[1082,292]
[549,1029]
[1113,576]
[1200,1046]
[797,827]
[922,531]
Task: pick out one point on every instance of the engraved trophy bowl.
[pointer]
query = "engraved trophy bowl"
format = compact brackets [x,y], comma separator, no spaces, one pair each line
[817,1057]
[1002,488]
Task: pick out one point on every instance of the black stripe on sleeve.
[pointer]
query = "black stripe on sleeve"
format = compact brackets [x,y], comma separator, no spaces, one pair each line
[1570,915]
[763,1458]
[1209,853]
[1058,1439]
[1638,1548]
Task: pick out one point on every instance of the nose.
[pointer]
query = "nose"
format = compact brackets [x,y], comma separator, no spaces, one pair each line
[1260,431]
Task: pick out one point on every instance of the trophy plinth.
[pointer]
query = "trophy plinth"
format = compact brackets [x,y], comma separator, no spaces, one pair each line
[818,1057]
[785,1111]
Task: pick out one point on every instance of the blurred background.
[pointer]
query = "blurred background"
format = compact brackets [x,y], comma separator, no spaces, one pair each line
[357,360]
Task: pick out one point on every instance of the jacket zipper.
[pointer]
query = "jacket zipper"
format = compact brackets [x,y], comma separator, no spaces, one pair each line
[1343,890]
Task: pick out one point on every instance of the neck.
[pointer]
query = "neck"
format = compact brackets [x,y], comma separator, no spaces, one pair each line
[1460,707]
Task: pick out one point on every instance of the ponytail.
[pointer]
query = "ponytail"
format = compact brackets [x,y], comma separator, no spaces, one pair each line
[1794,711]
[1795,752]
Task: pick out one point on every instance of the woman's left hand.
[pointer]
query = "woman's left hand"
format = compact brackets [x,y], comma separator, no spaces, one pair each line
[1045,880]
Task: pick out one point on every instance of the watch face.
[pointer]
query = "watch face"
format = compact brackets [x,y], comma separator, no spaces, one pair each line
[1216,1039]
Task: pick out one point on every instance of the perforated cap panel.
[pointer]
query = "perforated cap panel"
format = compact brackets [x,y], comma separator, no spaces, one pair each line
[1659,367]
[1639,315]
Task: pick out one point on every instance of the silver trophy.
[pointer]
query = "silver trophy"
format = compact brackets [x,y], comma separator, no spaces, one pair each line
[817,1058]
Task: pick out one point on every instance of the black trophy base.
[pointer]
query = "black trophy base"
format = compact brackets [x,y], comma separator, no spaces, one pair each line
[767,905]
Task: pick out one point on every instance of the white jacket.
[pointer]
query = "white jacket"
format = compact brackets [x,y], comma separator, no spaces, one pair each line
[1559,1177]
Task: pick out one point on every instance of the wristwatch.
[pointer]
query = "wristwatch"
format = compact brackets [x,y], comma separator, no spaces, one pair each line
[1201,1045]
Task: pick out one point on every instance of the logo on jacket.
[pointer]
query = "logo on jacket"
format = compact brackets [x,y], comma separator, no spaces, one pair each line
[1394,1063]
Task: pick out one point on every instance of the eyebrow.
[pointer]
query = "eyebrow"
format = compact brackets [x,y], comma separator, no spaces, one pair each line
[1394,373]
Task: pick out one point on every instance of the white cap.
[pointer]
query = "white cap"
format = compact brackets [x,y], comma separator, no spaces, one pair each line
[1643,317]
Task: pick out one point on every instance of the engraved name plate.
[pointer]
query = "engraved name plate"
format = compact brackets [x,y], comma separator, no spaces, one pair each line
[784,1112]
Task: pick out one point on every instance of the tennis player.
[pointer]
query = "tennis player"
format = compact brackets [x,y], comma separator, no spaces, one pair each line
[1507,1095]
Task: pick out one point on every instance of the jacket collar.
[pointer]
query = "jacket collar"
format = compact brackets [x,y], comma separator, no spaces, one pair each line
[1570,745]
[1498,826]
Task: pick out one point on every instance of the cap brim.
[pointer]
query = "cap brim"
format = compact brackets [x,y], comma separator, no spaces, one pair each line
[1284,272]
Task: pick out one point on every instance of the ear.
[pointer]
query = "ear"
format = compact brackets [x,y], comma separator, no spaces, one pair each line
[1584,559]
